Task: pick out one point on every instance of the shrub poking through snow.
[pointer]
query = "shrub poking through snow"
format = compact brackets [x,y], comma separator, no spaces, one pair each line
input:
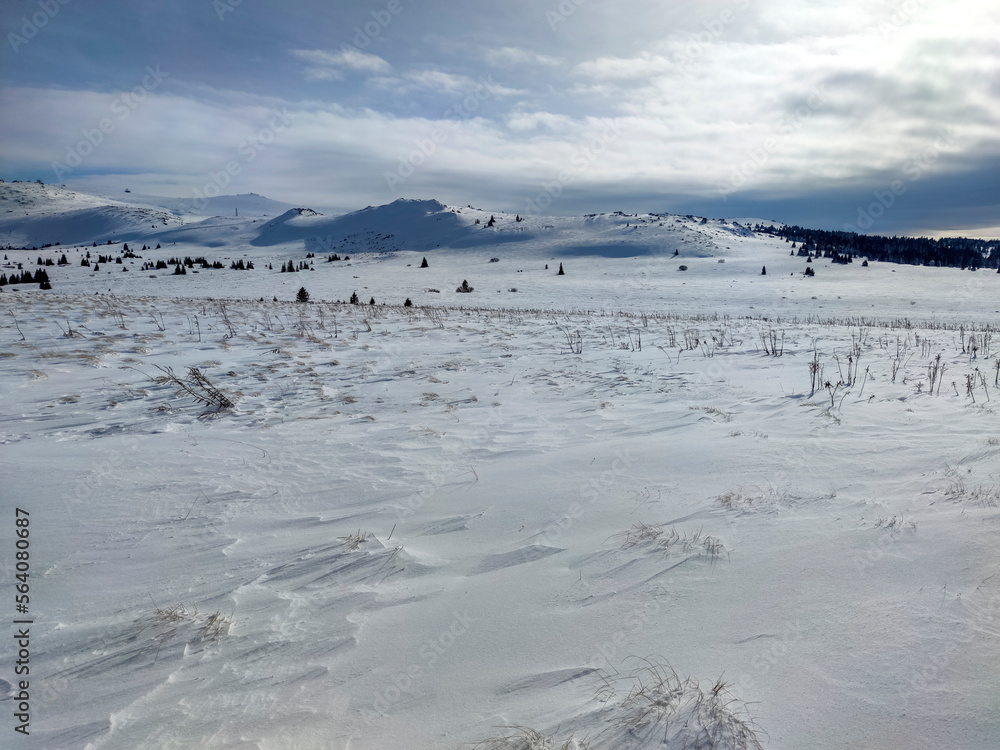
[526,738]
[662,709]
[356,540]
[198,386]
[650,706]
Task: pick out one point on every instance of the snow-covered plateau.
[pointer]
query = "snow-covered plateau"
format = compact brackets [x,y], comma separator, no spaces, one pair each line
[628,506]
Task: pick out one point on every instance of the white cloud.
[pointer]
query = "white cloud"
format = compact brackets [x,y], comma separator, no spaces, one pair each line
[509,56]
[323,65]
[437,80]
[610,68]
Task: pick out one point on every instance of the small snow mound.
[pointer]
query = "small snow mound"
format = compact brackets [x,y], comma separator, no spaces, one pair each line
[520,556]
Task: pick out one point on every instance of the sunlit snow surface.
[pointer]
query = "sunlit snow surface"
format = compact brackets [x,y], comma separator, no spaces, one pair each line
[413,529]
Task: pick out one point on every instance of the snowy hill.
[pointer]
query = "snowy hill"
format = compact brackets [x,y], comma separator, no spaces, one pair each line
[35,215]
[249,205]
[424,225]
[32,214]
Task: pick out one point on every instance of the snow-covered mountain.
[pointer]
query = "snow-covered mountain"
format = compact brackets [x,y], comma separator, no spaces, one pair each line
[34,214]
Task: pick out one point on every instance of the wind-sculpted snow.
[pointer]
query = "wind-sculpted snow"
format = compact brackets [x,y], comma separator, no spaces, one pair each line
[639,508]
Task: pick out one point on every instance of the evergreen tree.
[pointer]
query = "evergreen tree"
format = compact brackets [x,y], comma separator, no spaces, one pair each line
[424,264]
[561,271]
[302,295]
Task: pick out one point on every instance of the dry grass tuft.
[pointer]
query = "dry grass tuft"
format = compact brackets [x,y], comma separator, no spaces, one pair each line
[526,738]
[663,709]
[356,540]
[197,386]
[213,626]
[987,496]
[670,540]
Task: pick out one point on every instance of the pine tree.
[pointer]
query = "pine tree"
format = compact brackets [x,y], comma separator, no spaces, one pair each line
[424,264]
[302,295]
[354,299]
[561,271]
[763,271]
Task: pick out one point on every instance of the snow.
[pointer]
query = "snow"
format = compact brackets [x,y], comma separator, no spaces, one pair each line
[420,525]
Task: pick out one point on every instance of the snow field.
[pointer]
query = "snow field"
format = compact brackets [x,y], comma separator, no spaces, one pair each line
[418,525]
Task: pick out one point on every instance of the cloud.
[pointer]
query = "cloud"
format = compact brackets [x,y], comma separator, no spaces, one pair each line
[452,85]
[323,65]
[615,68]
[802,102]
[510,56]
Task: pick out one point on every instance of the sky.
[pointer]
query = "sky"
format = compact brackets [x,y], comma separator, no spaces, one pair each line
[860,115]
